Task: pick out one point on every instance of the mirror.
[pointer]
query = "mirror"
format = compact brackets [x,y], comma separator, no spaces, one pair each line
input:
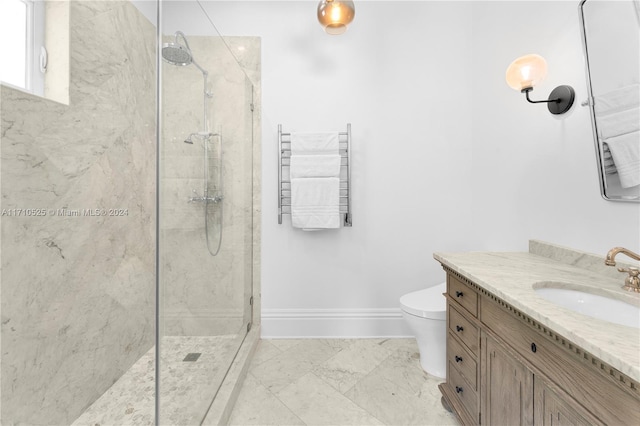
[611,41]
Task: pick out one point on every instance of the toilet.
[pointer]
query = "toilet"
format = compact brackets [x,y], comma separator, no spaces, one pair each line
[426,313]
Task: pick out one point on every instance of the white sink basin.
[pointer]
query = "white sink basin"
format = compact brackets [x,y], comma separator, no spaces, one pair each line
[593,305]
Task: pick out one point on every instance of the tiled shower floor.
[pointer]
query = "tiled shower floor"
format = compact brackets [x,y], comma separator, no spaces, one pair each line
[186,388]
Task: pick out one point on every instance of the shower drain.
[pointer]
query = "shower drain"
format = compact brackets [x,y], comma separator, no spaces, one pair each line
[192,357]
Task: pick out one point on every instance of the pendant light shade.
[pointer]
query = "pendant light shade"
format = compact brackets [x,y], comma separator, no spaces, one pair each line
[335,15]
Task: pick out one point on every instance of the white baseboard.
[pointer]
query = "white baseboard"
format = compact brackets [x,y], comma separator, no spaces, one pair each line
[333,323]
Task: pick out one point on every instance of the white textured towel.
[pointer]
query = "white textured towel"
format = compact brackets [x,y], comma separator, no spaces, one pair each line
[315,203]
[619,123]
[303,166]
[625,150]
[617,100]
[314,143]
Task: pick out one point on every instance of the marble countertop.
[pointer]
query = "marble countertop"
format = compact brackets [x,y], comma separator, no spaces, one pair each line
[512,275]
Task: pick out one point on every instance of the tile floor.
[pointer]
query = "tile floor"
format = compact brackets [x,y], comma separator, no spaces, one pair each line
[339,382]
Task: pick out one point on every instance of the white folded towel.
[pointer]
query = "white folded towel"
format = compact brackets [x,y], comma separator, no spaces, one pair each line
[303,166]
[617,100]
[315,203]
[625,150]
[314,143]
[619,123]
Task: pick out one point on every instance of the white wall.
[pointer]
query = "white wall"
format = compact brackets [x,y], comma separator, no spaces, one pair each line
[446,156]
[534,174]
[411,156]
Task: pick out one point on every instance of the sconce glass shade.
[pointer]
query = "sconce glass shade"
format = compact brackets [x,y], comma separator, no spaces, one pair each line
[335,15]
[526,72]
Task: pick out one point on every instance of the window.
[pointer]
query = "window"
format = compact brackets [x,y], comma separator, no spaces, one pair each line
[13,33]
[22,38]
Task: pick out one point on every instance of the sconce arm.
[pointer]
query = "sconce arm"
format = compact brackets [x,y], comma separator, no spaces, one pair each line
[528,89]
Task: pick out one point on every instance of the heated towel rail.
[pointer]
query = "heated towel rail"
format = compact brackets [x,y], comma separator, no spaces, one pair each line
[284,180]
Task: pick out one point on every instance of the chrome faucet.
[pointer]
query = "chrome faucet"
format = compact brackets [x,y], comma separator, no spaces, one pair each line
[632,282]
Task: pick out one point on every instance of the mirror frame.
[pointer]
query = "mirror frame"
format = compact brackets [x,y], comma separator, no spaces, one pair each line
[594,127]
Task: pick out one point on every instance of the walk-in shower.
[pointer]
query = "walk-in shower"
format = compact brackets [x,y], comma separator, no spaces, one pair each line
[128,318]
[180,54]
[206,108]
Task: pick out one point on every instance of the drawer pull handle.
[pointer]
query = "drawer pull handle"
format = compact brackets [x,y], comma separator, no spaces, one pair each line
[458,359]
[534,348]
[459,294]
[460,328]
[459,389]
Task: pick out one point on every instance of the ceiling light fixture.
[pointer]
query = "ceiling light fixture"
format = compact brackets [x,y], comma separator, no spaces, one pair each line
[335,15]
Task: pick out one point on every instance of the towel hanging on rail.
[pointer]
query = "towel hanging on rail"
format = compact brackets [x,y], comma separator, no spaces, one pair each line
[315,203]
[319,163]
[620,123]
[625,150]
[617,100]
[303,166]
[314,143]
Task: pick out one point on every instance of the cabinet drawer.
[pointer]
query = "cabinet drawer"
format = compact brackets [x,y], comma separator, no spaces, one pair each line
[463,391]
[463,294]
[463,361]
[463,329]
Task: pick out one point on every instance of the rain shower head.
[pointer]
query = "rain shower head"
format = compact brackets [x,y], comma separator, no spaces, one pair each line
[177,53]
[180,54]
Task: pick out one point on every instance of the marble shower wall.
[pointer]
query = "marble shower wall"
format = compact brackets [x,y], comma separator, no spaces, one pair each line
[78,288]
[202,294]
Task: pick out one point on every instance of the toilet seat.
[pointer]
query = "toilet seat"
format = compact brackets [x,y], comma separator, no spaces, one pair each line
[427,303]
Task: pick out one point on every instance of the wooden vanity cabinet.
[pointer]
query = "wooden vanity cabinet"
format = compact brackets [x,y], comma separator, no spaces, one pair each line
[507,386]
[503,368]
[556,408]
[463,343]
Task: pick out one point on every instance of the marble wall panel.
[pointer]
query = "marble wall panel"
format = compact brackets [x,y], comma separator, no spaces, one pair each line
[204,295]
[78,291]
[56,37]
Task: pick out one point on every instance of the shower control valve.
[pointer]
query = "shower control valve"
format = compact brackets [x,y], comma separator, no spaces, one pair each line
[205,199]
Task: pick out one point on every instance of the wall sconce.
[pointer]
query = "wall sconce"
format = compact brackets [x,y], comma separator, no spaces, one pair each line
[335,15]
[527,71]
